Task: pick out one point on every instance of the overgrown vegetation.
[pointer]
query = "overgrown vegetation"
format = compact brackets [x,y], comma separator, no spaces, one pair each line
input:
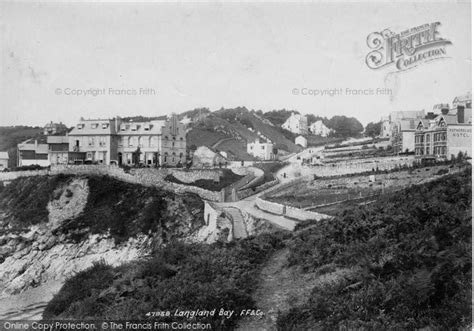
[113,207]
[124,210]
[178,276]
[25,200]
[409,257]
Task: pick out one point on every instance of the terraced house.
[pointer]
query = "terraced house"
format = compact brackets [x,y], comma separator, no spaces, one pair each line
[160,142]
[106,141]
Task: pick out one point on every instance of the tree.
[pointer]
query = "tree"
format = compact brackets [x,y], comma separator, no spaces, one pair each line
[344,126]
[373,129]
[136,156]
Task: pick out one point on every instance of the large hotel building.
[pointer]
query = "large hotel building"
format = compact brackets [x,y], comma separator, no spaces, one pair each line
[448,134]
[109,141]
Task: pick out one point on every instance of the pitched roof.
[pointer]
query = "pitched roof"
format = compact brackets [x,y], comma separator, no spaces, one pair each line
[141,128]
[94,127]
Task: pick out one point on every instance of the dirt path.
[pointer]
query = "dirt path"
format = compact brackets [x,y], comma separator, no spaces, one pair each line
[280,289]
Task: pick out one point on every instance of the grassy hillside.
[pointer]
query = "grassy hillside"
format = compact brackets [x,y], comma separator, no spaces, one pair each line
[178,276]
[121,209]
[229,130]
[402,263]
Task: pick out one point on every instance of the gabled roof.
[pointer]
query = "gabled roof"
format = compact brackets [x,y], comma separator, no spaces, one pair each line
[423,124]
[463,98]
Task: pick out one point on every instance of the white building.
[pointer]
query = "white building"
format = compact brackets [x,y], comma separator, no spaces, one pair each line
[302,141]
[296,123]
[33,152]
[263,151]
[319,129]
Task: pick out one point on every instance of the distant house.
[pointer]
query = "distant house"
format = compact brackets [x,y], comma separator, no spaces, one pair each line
[296,123]
[3,160]
[319,129]
[54,129]
[302,141]
[33,152]
[260,150]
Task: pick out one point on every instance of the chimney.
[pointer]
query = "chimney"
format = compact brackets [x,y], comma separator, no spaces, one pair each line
[460,114]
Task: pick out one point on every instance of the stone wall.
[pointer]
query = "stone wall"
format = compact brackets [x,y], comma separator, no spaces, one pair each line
[288,211]
[271,207]
[303,215]
[242,194]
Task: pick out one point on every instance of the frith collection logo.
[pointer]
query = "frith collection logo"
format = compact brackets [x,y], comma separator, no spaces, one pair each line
[407,49]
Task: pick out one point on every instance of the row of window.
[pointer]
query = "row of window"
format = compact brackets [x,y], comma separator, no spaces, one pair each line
[440,136]
[437,150]
[151,158]
[81,126]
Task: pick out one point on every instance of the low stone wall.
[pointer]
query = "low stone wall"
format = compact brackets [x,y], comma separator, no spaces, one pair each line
[271,207]
[288,211]
[9,176]
[251,191]
[303,215]
[250,172]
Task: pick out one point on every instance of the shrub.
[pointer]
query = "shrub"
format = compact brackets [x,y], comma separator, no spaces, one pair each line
[410,256]
[178,276]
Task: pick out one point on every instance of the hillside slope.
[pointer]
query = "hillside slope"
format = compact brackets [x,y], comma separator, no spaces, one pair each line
[229,130]
[52,226]
[406,263]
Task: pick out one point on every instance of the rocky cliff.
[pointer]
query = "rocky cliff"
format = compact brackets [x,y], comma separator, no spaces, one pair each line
[52,227]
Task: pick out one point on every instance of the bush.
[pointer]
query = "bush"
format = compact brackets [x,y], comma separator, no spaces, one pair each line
[178,276]
[410,256]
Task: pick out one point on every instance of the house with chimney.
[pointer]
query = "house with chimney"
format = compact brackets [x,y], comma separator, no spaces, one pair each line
[447,135]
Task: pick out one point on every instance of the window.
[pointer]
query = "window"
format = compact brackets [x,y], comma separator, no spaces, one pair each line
[94,125]
[91,141]
[102,141]
[105,125]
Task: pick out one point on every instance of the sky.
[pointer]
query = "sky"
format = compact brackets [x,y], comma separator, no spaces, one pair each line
[60,62]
